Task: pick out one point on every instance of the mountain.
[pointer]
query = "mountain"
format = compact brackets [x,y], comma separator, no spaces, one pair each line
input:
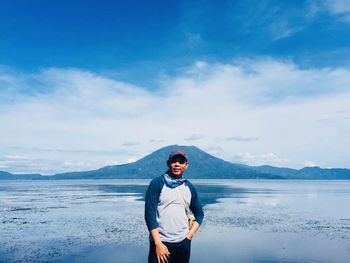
[306,173]
[10,176]
[6,175]
[202,165]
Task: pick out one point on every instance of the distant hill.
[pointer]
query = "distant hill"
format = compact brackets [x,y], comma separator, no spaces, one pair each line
[202,166]
[10,176]
[306,173]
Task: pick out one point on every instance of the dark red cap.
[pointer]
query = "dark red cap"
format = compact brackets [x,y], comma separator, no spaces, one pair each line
[176,153]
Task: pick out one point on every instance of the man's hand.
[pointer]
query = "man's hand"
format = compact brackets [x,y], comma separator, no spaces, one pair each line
[162,253]
[193,230]
[189,237]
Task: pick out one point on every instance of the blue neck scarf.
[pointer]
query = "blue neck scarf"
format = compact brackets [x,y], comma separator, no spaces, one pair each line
[173,182]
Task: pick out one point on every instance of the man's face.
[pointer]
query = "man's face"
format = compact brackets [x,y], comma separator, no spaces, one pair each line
[177,165]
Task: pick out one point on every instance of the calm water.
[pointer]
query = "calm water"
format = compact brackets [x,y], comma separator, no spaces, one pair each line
[246,221]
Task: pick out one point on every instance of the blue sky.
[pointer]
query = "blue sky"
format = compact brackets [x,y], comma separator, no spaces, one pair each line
[89,83]
[144,37]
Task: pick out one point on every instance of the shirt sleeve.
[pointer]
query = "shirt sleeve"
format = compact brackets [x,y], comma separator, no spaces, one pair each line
[151,203]
[196,206]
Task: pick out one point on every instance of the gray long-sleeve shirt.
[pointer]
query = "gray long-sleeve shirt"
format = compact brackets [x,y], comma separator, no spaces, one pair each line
[165,212]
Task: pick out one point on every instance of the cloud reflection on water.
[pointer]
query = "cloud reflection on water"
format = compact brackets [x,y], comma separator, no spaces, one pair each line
[253,221]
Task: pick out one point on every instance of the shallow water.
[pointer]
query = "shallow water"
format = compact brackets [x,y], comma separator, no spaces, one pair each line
[246,221]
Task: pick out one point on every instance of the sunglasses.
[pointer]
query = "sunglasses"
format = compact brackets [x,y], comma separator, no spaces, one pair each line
[178,160]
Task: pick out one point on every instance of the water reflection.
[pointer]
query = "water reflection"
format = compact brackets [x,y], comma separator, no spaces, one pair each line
[102,220]
[209,194]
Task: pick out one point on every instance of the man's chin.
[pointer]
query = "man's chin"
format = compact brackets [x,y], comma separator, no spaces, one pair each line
[177,174]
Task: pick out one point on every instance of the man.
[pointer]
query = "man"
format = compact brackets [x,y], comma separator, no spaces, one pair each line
[165,213]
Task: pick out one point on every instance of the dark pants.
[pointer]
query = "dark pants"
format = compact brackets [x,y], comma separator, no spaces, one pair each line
[179,252]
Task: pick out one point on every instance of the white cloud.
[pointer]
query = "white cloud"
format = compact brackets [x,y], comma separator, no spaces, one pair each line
[50,164]
[310,164]
[92,119]
[339,8]
[242,139]
[194,137]
[260,159]
[131,143]
[282,29]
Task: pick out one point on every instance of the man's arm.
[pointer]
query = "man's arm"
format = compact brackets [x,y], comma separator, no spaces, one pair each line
[195,205]
[197,209]
[162,251]
[193,230]
[151,203]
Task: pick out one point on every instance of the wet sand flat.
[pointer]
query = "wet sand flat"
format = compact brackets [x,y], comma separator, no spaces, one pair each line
[246,221]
